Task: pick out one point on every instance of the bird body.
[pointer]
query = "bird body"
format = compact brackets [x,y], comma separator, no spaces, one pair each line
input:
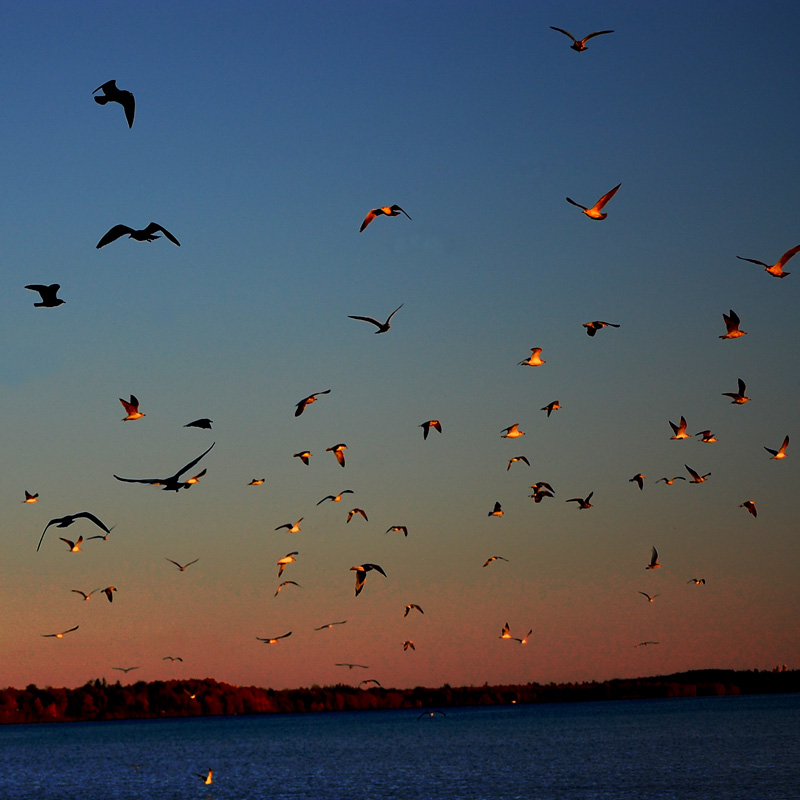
[273,640]
[596,211]
[706,437]
[307,401]
[381,326]
[61,634]
[493,558]
[732,326]
[497,511]
[289,558]
[579,45]
[148,234]
[47,294]
[286,583]
[776,270]
[303,455]
[512,432]
[399,528]
[74,547]
[389,211]
[204,423]
[650,598]
[534,359]
[361,571]
[408,643]
[780,452]
[670,481]
[750,505]
[111,94]
[31,498]
[411,606]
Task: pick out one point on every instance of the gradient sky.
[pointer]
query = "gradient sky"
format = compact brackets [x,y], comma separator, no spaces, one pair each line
[264,133]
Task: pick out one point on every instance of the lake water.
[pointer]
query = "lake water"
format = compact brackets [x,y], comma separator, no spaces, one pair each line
[726,748]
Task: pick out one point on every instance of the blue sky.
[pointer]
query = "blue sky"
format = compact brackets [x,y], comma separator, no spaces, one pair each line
[264,132]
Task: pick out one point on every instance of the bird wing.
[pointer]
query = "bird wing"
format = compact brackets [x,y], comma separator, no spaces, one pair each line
[605,198]
[569,199]
[41,538]
[129,104]
[566,33]
[692,472]
[742,387]
[397,208]
[754,261]
[153,227]
[596,33]
[113,234]
[187,466]
[401,304]
[92,518]
[371,216]
[367,319]
[787,255]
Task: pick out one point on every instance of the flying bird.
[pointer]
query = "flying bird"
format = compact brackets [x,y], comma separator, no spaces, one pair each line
[389,211]
[776,269]
[541,486]
[431,423]
[84,595]
[256,482]
[293,527]
[493,558]
[653,560]
[429,714]
[780,452]
[207,779]
[338,451]
[330,625]
[650,598]
[579,45]
[506,634]
[596,325]
[706,437]
[289,558]
[533,360]
[739,398]
[361,571]
[111,94]
[399,528]
[497,511]
[286,583]
[307,401]
[670,481]
[126,670]
[336,498]
[182,567]
[643,644]
[74,547]
[582,502]
[47,294]
[638,479]
[354,511]
[172,658]
[732,325]
[173,482]
[408,643]
[31,498]
[512,432]
[204,422]
[411,606]
[367,681]
[515,459]
[539,494]
[679,430]
[551,407]
[109,592]
[350,666]
[60,635]
[273,640]
[696,478]
[148,234]
[131,408]
[66,521]
[696,581]
[596,211]
[382,326]
[303,455]
[750,505]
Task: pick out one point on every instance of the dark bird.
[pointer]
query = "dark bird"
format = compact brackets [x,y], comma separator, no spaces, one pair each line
[670,481]
[750,505]
[775,270]
[84,595]
[696,477]
[336,498]
[171,483]
[429,714]
[389,211]
[109,593]
[182,567]
[781,451]
[650,598]
[204,422]
[126,670]
[60,635]
[431,423]
[643,644]
[367,681]
[286,583]
[411,606]
[48,295]
[596,211]
[732,325]
[382,326]
[66,521]
[596,325]
[515,459]
[307,401]
[653,560]
[292,527]
[148,234]
[399,528]
[739,398]
[493,558]
[582,502]
[696,581]
[551,407]
[679,430]
[497,511]
[353,511]
[408,643]
[579,45]
[338,451]
[74,547]
[172,658]
[273,640]
[361,571]
[31,498]
[330,625]
[638,479]
[706,437]
[111,94]
[303,455]
[350,666]
[131,409]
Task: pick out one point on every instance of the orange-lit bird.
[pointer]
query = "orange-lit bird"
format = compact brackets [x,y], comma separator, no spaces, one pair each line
[338,451]
[582,502]
[61,634]
[399,528]
[512,432]
[336,498]
[706,437]
[431,423]
[493,558]
[596,211]
[273,640]
[732,322]
[171,483]
[389,211]
[31,498]
[596,325]
[638,479]
[353,511]
[696,477]
[579,45]
[515,459]
[534,359]
[292,527]
[679,430]
[66,521]
[551,407]
[497,511]
[289,558]
[131,408]
[410,606]
[256,482]
[775,270]
[307,401]
[653,560]
[750,505]
[303,455]
[361,571]
[739,398]
[780,452]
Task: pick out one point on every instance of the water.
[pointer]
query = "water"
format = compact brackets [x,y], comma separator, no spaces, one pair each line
[727,748]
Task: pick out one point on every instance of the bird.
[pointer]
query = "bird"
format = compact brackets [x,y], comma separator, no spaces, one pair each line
[354,511]
[207,779]
[515,459]
[293,527]
[303,455]
[497,511]
[775,270]
[399,528]
[111,94]
[126,670]
[382,326]
[408,643]
[696,581]
[579,45]
[256,482]
[732,325]
[173,482]
[780,452]
[596,325]
[47,294]
[289,558]
[131,408]
[182,567]
[367,681]
[533,360]
[670,481]
[653,560]
[66,521]
[307,401]
[696,478]
[706,437]
[551,407]
[350,666]
[596,211]
[541,486]
[74,547]
[84,595]
[506,634]
[172,658]
[389,211]
[431,423]
[103,536]
[429,714]
[582,502]
[338,451]
[539,494]
[109,592]
[512,432]
[361,571]
[61,634]
[411,606]
[330,625]
[273,640]
[493,558]
[639,479]
[739,398]
[336,498]
[31,498]
[286,583]
[650,597]
[148,234]
[643,644]
[679,430]
[750,505]
[204,422]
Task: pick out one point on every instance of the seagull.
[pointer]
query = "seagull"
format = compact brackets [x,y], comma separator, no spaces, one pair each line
[173,482]
[182,567]
[111,94]
[539,494]
[679,430]
[670,481]
[512,432]
[732,324]
[596,325]
[66,521]
[533,360]
[256,482]
[126,670]
[204,422]
[515,459]
[354,511]
[273,640]
[653,560]
[368,681]
[579,45]
[410,606]
[286,583]
[172,658]
[207,779]
[639,479]
[307,401]
[382,326]
[289,558]
[582,503]
[431,423]
[389,211]
[147,234]
[31,498]
[84,595]
[695,477]
[399,528]
[551,407]
[643,644]
[408,643]
[361,574]
[338,451]
[738,397]
[696,581]
[429,714]
[74,547]
[750,505]
[497,511]
[108,592]
[131,408]
[303,455]
[506,634]
[60,635]
[780,452]
[541,486]
[330,625]
[776,269]
[707,437]
[596,211]
[293,528]
[350,666]
[649,597]
[493,558]
[337,497]
[48,295]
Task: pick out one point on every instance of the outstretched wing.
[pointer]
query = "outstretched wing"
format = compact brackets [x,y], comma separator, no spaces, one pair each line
[154,227]
[113,235]
[566,33]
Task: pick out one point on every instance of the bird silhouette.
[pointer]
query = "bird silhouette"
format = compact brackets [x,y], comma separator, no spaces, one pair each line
[336,498]
[148,234]
[66,521]
[515,459]
[497,511]
[303,455]
[732,326]
[47,294]
[399,528]
[706,437]
[274,639]
[361,571]
[353,511]
[696,477]
[286,583]
[382,326]
[410,607]
[292,527]
[750,505]
[551,407]
[579,45]
[596,325]
[172,483]
[61,634]
[776,270]
[111,94]
[596,211]
[182,567]
[638,479]
[389,211]
[582,502]
[493,558]
[203,422]
[653,560]
[431,423]
[307,401]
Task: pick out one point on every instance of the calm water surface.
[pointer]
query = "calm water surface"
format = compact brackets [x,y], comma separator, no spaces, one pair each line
[728,748]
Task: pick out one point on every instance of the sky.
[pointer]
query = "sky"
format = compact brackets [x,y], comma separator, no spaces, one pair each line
[264,133]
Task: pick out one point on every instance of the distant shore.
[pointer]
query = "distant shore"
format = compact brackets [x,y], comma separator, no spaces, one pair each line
[100,700]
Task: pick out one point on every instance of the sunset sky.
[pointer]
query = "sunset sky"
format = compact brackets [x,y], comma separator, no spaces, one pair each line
[264,133]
